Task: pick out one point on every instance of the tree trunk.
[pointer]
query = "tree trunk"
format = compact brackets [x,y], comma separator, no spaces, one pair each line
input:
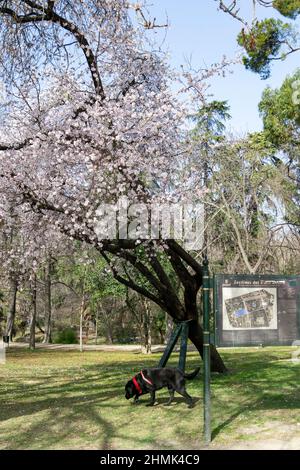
[109,335]
[81,317]
[107,322]
[48,307]
[12,309]
[147,327]
[169,328]
[196,336]
[161,336]
[39,327]
[33,314]
[80,331]
[87,329]
[96,327]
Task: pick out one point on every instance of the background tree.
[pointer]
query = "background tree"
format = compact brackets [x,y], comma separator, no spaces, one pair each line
[280,111]
[268,39]
[246,197]
[209,130]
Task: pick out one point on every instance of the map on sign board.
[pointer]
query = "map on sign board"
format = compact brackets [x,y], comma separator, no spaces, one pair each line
[249,308]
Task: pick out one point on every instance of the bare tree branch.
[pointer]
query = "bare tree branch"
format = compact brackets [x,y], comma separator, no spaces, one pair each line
[49,15]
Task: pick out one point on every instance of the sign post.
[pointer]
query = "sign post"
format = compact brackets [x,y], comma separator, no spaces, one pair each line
[206,352]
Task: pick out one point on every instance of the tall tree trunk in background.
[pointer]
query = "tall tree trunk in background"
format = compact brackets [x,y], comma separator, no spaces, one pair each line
[107,322]
[12,308]
[109,333]
[138,315]
[47,303]
[83,306]
[33,313]
[169,327]
[147,327]
[80,331]
[87,327]
[96,327]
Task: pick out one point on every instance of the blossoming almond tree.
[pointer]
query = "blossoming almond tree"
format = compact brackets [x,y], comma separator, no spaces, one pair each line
[25,248]
[91,116]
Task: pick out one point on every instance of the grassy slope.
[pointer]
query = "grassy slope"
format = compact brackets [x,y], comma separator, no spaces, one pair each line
[65,399]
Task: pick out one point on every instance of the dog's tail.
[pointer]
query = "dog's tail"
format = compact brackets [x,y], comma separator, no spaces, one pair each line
[192,375]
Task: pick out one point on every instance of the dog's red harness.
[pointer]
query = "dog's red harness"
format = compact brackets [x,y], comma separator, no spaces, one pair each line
[137,385]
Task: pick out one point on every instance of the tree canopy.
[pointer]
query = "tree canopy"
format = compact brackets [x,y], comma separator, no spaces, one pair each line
[269,39]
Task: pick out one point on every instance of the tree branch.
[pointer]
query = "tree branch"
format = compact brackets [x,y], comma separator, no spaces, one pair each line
[49,15]
[232,10]
[173,245]
[132,285]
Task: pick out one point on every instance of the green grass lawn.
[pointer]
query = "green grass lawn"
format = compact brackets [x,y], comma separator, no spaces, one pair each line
[72,400]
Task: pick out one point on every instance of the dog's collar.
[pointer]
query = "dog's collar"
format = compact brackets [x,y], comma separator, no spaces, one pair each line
[137,385]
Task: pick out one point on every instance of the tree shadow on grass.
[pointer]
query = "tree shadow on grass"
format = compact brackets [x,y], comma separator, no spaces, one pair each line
[62,430]
[80,400]
[163,401]
[58,404]
[269,386]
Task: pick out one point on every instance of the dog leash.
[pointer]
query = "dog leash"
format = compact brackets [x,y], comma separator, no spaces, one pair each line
[145,379]
[137,385]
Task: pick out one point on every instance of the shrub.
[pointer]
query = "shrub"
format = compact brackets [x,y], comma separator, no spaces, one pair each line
[66,336]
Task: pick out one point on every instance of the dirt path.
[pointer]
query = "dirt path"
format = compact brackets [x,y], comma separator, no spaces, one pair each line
[96,347]
[270,435]
[269,444]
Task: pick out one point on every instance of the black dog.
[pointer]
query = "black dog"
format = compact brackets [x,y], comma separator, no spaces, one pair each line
[150,380]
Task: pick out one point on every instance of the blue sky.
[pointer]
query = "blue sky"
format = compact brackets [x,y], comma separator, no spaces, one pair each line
[201,32]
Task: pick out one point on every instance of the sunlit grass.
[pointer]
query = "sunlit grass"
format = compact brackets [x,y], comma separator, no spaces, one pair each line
[72,400]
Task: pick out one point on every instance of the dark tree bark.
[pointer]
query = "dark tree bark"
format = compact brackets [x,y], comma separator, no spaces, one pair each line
[106,317]
[196,336]
[33,313]
[48,303]
[12,308]
[141,311]
[109,333]
[147,323]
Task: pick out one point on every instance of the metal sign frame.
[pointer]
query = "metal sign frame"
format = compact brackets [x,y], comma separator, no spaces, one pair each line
[218,282]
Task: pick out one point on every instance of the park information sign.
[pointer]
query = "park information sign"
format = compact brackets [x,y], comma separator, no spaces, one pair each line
[256,309]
